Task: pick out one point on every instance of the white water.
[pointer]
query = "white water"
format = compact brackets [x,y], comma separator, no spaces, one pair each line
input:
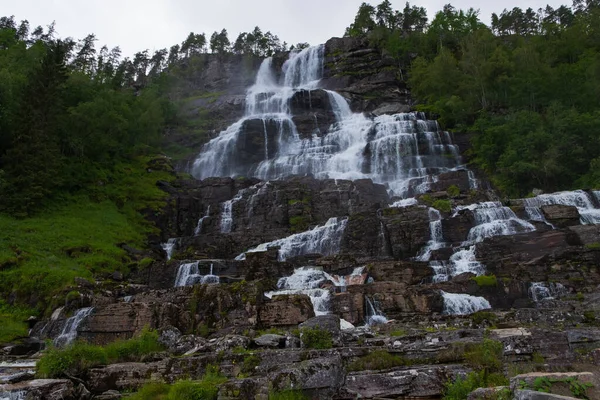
[436,240]
[198,229]
[373,316]
[308,281]
[227,213]
[463,260]
[411,201]
[463,304]
[493,219]
[404,151]
[578,198]
[17,395]
[169,247]
[189,274]
[324,239]
[539,291]
[69,331]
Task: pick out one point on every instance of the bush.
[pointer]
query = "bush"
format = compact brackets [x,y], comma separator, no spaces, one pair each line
[453,191]
[486,356]
[481,316]
[486,280]
[79,357]
[316,338]
[378,359]
[461,387]
[442,205]
[250,363]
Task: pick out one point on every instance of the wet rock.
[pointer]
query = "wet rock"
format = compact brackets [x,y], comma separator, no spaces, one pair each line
[17,378]
[312,112]
[460,179]
[391,108]
[45,389]
[109,395]
[286,310]
[27,346]
[270,340]
[561,216]
[585,234]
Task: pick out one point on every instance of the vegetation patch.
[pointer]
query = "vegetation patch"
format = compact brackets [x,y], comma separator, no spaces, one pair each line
[316,338]
[376,360]
[462,386]
[485,280]
[442,205]
[79,357]
[288,395]
[12,322]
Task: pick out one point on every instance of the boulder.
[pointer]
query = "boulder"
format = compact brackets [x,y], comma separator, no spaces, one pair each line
[320,377]
[487,393]
[286,310]
[270,340]
[561,216]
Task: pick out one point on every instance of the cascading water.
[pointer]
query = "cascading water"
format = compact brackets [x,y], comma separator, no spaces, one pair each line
[539,291]
[169,247]
[189,274]
[437,237]
[373,316]
[198,229]
[16,395]
[463,260]
[308,281]
[69,331]
[463,304]
[492,219]
[227,213]
[404,151]
[588,212]
[324,239]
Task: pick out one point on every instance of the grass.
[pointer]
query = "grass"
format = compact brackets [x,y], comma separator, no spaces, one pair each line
[462,386]
[12,322]
[205,389]
[316,338]
[376,360]
[79,357]
[79,236]
[287,395]
[486,280]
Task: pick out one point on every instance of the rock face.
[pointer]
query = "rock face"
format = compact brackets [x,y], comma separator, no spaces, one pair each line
[312,112]
[561,216]
[286,311]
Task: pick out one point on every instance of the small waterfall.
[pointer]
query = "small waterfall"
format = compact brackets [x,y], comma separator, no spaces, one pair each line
[69,331]
[539,291]
[373,315]
[198,229]
[437,238]
[463,304]
[308,281]
[128,299]
[324,239]
[596,195]
[169,247]
[227,213]
[463,260]
[580,199]
[493,219]
[189,274]
[473,181]
[16,395]
[411,201]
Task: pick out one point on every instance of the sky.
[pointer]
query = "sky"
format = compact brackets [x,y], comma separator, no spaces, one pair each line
[135,25]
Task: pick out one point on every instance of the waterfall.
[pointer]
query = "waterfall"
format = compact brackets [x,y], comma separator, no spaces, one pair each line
[473,181]
[539,291]
[308,281]
[201,221]
[411,201]
[189,274]
[463,260]
[16,395]
[596,195]
[463,304]
[169,247]
[324,239]
[227,213]
[493,219]
[403,151]
[69,331]
[580,199]
[373,316]
[437,238]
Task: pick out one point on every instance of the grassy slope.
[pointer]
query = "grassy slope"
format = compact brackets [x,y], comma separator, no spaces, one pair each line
[75,237]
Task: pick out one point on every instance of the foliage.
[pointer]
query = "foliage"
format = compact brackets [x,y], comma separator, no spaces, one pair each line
[453,191]
[12,322]
[287,395]
[376,360]
[486,356]
[77,358]
[486,280]
[462,386]
[250,363]
[316,338]
[481,316]
[205,389]
[442,205]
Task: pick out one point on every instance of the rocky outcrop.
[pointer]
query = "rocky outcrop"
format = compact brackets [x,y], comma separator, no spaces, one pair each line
[561,216]
[312,112]
[286,311]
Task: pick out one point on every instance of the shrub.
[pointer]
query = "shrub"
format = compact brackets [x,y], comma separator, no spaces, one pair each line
[378,359]
[442,205]
[151,391]
[79,357]
[453,191]
[486,280]
[481,316]
[287,395]
[486,356]
[316,338]
[461,387]
[250,363]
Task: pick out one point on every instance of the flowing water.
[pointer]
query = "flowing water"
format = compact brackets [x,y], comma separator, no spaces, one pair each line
[373,314]
[189,274]
[323,239]
[170,247]
[436,240]
[404,151]
[463,304]
[492,219]
[539,291]
[588,212]
[198,229]
[69,331]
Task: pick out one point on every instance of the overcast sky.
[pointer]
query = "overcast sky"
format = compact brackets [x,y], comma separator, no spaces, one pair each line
[136,25]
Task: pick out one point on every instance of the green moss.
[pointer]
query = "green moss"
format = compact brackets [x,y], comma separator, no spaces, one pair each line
[486,280]
[453,191]
[250,363]
[12,322]
[77,358]
[442,205]
[481,316]
[299,223]
[72,295]
[593,246]
[316,338]
[376,360]
[398,332]
[288,395]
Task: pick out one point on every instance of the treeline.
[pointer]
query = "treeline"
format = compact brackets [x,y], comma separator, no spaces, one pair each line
[528,85]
